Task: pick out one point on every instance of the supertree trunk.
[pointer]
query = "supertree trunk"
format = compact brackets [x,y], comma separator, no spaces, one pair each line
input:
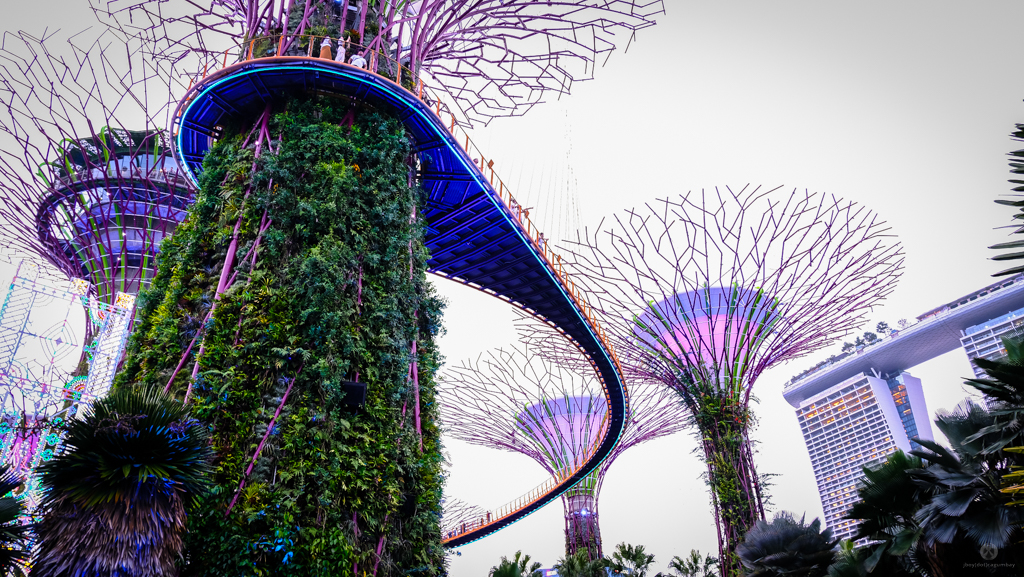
[735,489]
[582,523]
[300,273]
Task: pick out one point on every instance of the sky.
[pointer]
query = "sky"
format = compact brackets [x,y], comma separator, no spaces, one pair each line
[903,106]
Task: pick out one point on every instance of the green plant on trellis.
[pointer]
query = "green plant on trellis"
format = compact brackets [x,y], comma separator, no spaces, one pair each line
[330,287]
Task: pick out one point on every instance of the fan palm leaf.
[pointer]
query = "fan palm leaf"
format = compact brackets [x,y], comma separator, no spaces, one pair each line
[786,546]
[518,566]
[580,565]
[14,538]
[116,499]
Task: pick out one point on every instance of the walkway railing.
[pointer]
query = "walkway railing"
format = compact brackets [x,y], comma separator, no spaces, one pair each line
[385,66]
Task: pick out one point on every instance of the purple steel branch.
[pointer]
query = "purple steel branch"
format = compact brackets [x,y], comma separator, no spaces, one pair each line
[810,264]
[493,57]
[484,403]
[82,190]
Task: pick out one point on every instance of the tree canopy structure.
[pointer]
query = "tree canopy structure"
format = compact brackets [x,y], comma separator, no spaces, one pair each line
[540,401]
[707,290]
[89,182]
[492,57]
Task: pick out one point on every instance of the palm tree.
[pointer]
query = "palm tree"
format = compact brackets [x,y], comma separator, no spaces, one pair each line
[517,567]
[632,560]
[14,542]
[694,565]
[115,501]
[579,565]
[1004,391]
[889,497]
[787,547]
[1017,168]
[965,509]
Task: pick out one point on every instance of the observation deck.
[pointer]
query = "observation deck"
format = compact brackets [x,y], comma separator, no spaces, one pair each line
[477,234]
[937,332]
[112,199]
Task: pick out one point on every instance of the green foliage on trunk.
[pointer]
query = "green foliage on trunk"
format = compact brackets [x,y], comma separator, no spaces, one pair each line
[338,293]
[723,425]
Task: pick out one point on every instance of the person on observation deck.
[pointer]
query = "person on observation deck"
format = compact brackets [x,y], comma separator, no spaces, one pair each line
[358,60]
[342,49]
[325,48]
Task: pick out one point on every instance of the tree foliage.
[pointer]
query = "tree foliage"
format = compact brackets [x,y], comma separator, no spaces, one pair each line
[889,499]
[14,537]
[580,565]
[330,287]
[786,546]
[936,511]
[694,565]
[632,560]
[518,566]
[115,500]
[1016,168]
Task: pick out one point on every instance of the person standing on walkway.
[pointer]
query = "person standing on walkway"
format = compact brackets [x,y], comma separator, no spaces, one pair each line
[325,48]
[342,49]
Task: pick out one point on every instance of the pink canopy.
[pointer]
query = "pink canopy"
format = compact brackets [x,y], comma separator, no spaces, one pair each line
[712,327]
[566,429]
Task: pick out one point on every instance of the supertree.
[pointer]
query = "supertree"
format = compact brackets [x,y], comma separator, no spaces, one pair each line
[90,185]
[540,400]
[291,307]
[707,290]
[488,58]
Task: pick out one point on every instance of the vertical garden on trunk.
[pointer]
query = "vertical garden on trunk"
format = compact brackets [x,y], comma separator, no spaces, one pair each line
[302,268]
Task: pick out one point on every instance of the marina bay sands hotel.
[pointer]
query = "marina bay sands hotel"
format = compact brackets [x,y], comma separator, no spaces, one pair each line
[861,406]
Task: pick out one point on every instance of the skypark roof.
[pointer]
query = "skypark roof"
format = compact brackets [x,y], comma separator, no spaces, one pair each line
[937,332]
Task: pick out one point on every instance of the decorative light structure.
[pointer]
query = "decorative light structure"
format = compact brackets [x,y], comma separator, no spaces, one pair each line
[537,401]
[81,191]
[708,290]
[492,58]
[39,386]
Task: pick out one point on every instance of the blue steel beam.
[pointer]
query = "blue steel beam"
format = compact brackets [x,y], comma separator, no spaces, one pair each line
[472,236]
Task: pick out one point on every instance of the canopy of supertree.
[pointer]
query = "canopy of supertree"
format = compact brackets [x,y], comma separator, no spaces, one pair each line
[535,401]
[492,57]
[712,332]
[707,290]
[89,182]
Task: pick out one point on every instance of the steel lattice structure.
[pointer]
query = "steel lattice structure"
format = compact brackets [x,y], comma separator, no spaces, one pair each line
[541,401]
[707,290]
[82,189]
[38,349]
[493,57]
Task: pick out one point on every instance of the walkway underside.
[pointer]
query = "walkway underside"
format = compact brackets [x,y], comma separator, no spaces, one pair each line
[472,236]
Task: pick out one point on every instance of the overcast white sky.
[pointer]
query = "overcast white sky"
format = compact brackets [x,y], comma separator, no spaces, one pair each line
[903,106]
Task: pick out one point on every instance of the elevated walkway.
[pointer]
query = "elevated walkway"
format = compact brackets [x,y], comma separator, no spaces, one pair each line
[476,233]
